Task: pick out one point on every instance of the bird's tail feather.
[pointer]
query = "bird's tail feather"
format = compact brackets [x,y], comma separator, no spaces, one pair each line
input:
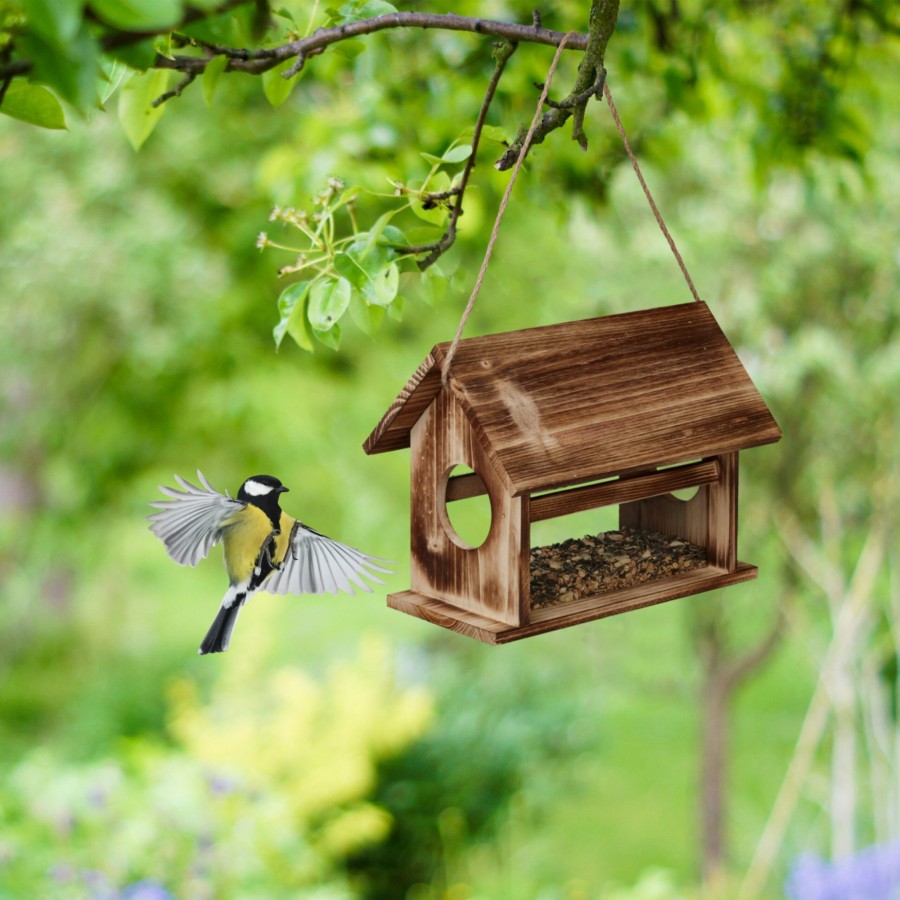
[219,635]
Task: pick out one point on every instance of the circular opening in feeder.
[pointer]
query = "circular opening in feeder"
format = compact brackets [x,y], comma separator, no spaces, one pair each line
[465,508]
[685,494]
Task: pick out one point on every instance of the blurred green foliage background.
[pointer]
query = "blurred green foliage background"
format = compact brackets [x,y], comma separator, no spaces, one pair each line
[340,749]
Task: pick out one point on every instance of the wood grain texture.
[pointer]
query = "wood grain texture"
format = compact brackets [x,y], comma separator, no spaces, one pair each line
[564,404]
[587,609]
[622,490]
[722,515]
[686,519]
[393,431]
[708,519]
[485,580]
[461,487]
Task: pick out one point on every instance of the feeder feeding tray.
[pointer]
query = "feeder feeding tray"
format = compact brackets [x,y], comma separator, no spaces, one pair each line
[620,410]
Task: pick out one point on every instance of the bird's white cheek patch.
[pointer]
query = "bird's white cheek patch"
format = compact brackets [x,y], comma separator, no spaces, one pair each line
[255,489]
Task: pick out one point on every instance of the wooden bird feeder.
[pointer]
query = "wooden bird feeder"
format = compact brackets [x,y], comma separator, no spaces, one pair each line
[620,410]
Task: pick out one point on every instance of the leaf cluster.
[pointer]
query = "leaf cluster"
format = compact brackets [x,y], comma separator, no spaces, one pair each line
[347,270]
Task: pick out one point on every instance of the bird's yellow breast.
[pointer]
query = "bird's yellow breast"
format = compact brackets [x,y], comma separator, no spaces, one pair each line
[243,536]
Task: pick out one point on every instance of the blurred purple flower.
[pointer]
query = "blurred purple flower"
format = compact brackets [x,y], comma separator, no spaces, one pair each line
[63,873]
[146,890]
[872,874]
[221,785]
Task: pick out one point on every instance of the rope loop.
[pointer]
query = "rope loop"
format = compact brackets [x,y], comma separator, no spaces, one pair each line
[454,346]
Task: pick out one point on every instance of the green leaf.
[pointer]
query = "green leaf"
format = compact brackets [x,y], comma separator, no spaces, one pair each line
[360,9]
[371,269]
[328,301]
[456,154]
[434,284]
[384,287]
[435,215]
[33,104]
[395,310]
[71,69]
[137,115]
[138,15]
[214,29]
[162,44]
[348,266]
[115,75]
[373,236]
[488,132]
[276,88]
[349,49]
[330,338]
[209,81]
[139,56]
[367,318]
[393,235]
[292,311]
[57,21]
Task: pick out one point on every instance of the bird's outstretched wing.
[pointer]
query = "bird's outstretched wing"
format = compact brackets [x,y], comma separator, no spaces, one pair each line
[190,524]
[315,564]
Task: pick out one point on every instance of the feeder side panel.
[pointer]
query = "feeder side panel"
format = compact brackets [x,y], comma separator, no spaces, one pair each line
[485,580]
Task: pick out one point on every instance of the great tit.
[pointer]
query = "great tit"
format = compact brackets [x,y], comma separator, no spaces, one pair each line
[265,548]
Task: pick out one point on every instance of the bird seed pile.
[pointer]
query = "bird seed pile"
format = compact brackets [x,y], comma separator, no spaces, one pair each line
[609,561]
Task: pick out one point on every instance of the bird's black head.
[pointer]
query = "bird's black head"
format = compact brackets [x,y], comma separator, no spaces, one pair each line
[263,491]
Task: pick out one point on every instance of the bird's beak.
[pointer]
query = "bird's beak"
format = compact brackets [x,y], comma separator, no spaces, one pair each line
[283,490]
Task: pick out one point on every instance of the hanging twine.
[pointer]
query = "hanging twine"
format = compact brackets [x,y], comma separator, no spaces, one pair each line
[647,194]
[451,352]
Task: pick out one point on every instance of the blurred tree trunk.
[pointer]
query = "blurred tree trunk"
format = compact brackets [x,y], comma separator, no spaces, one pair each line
[722,673]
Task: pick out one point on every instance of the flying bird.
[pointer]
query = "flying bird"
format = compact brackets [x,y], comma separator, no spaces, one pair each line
[265,548]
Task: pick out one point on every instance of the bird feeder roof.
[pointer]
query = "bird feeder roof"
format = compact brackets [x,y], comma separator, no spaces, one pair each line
[564,404]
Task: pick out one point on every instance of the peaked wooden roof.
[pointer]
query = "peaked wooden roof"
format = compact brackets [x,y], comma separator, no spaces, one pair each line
[569,403]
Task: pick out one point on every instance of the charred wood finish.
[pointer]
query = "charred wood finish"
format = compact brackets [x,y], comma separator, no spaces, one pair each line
[562,419]
[564,503]
[566,404]
[485,580]
[553,618]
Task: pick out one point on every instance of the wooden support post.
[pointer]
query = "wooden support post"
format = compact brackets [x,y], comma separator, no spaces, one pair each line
[722,514]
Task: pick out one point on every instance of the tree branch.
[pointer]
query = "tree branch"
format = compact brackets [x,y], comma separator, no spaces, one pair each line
[602,23]
[742,667]
[514,33]
[257,61]
[116,40]
[175,91]
[441,246]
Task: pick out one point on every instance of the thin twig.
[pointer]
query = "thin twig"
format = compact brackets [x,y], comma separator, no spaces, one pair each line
[432,198]
[442,245]
[578,99]
[504,202]
[601,25]
[175,91]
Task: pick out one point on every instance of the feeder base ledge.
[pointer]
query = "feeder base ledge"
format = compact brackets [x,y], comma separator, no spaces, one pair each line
[577,612]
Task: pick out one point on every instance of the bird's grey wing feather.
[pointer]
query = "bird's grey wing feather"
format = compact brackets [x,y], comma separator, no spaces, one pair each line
[315,564]
[190,523]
